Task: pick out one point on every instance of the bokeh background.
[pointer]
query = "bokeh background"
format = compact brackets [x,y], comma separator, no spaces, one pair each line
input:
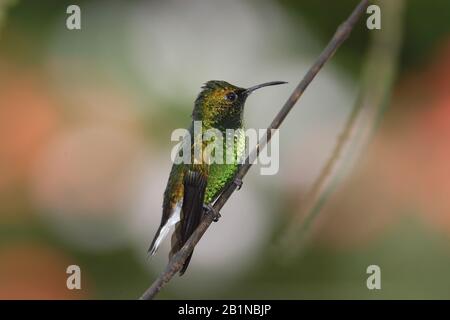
[85,123]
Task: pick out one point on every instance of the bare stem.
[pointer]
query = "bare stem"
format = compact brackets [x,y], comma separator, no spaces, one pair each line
[177,261]
[378,79]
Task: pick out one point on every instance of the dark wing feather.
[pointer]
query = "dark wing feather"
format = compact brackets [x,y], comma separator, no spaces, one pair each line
[191,212]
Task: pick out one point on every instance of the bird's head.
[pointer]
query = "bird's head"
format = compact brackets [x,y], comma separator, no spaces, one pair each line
[221,104]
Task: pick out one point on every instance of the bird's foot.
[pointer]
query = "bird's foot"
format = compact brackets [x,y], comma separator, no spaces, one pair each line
[238,182]
[209,209]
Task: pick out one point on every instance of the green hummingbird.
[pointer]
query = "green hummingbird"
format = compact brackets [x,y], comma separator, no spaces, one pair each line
[193,187]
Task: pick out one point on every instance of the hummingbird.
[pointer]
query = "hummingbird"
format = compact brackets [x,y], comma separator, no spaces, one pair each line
[193,187]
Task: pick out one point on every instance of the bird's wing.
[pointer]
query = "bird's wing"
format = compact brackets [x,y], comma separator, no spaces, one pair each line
[191,212]
[173,195]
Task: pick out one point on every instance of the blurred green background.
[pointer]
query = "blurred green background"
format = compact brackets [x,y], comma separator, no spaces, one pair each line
[85,123]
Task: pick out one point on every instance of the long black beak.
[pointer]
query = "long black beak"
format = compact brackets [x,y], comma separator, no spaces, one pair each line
[272,83]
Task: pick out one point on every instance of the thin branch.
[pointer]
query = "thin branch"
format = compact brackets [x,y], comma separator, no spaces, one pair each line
[378,79]
[177,261]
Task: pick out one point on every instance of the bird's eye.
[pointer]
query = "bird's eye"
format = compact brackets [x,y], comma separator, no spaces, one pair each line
[231,96]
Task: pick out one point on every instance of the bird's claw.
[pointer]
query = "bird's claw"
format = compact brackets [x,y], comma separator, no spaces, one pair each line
[238,182]
[209,209]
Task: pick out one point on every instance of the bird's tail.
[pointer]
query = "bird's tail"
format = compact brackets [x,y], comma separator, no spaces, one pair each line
[163,230]
[153,247]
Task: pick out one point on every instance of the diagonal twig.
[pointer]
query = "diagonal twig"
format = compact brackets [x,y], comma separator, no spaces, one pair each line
[177,260]
[378,78]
